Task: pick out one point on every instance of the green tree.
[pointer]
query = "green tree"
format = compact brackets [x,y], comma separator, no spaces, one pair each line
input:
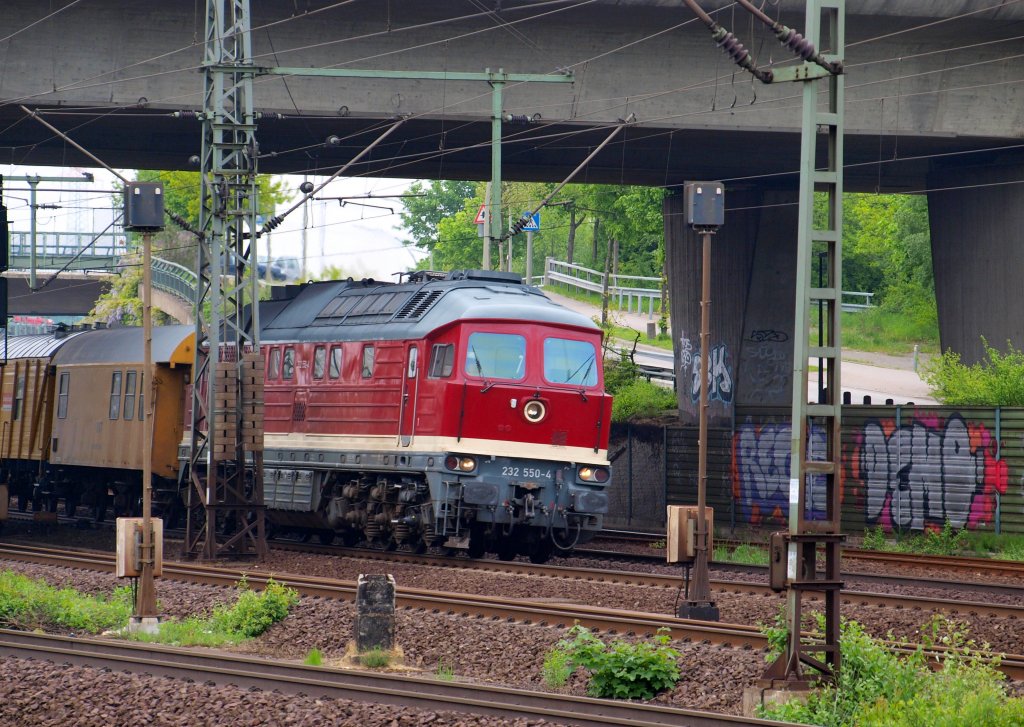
[122,303]
[998,380]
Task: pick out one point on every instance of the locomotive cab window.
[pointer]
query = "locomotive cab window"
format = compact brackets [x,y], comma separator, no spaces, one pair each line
[496,356]
[274,369]
[62,395]
[367,362]
[288,367]
[442,360]
[570,362]
[335,369]
[414,355]
[319,362]
[115,395]
[129,395]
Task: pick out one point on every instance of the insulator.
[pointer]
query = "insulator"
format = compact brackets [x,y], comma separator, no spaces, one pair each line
[273,223]
[734,49]
[796,43]
[186,114]
[519,119]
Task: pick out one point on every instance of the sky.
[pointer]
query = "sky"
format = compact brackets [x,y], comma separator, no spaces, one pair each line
[362,241]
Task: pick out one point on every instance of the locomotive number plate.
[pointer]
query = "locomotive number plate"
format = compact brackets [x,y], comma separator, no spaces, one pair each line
[531,472]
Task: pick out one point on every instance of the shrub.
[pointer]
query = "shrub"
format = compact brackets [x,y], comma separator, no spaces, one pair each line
[874,539]
[622,670]
[29,604]
[375,659]
[998,380]
[558,667]
[640,399]
[314,658]
[254,613]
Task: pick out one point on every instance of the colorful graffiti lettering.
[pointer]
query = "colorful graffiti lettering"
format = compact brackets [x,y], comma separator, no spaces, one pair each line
[927,472]
[761,473]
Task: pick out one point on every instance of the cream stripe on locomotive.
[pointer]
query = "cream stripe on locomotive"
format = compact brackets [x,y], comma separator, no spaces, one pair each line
[478,447]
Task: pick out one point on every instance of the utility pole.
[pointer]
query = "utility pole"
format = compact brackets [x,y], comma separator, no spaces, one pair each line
[225,494]
[487,231]
[705,213]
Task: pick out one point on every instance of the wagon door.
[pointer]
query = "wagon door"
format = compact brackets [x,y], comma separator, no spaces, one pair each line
[410,385]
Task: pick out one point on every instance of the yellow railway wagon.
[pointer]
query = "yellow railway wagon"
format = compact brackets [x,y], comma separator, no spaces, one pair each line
[26,410]
[101,404]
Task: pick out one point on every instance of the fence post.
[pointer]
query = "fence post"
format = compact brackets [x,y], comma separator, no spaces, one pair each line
[547,272]
[999,454]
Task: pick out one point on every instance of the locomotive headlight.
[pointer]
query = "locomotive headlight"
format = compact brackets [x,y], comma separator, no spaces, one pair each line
[459,464]
[534,411]
[593,474]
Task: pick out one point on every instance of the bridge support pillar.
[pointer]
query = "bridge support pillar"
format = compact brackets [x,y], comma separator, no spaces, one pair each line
[976,215]
[752,294]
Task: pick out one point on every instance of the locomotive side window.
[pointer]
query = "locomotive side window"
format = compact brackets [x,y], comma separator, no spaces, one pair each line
[442,360]
[414,355]
[335,370]
[288,368]
[367,362]
[274,370]
[496,356]
[319,362]
[570,362]
[129,395]
[19,396]
[62,395]
[115,395]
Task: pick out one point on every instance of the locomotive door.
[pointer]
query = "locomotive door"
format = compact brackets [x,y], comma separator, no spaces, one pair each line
[410,385]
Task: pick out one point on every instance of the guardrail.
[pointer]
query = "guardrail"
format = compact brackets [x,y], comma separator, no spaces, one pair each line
[629,290]
[643,292]
[175,279]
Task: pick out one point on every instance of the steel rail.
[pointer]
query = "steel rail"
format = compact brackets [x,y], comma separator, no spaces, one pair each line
[400,691]
[661,580]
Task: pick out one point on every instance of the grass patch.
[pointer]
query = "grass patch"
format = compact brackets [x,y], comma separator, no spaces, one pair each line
[375,659]
[29,604]
[885,332]
[445,671]
[251,614]
[878,687]
[314,658]
[745,554]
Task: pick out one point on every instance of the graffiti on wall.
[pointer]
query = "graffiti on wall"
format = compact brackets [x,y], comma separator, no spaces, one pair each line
[720,383]
[928,471]
[768,359]
[761,454]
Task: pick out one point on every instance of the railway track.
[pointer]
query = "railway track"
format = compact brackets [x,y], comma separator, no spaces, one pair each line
[400,691]
[614,621]
[660,580]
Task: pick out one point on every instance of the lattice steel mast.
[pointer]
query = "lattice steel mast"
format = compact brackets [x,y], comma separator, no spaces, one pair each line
[226,510]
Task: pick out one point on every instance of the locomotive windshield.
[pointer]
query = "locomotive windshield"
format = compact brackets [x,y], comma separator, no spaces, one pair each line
[570,362]
[496,356]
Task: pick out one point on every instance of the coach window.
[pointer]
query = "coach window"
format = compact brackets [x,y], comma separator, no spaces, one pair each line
[129,395]
[275,364]
[19,396]
[367,362]
[496,356]
[288,367]
[335,371]
[570,362]
[442,360]
[319,362]
[115,395]
[62,395]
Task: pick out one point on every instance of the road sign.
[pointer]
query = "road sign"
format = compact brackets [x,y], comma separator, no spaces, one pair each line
[534,224]
[481,215]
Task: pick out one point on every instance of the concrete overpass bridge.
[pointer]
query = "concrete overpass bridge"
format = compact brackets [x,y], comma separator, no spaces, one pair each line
[935,103]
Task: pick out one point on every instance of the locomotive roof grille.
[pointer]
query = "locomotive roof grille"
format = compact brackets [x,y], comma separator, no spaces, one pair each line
[360,309]
[420,303]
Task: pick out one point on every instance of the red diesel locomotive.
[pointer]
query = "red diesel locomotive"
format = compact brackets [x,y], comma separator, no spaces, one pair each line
[464,410]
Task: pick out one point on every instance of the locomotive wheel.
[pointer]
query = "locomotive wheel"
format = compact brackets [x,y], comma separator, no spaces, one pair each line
[23,501]
[506,551]
[70,506]
[350,537]
[390,545]
[477,546]
[419,548]
[540,554]
[326,537]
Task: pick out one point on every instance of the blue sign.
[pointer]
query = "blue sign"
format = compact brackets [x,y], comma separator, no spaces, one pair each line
[534,224]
